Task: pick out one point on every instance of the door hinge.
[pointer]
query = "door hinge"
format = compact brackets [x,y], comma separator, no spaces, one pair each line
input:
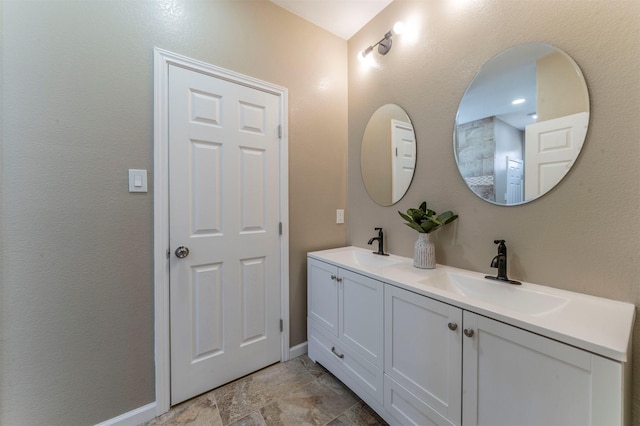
[281,325]
[279,131]
[280,228]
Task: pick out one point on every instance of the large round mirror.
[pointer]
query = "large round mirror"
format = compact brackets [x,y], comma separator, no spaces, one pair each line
[521,124]
[388,154]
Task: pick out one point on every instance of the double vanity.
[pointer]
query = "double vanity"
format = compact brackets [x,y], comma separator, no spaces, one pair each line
[449,347]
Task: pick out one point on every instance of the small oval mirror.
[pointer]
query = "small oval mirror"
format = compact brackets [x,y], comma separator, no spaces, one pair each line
[388,155]
[521,124]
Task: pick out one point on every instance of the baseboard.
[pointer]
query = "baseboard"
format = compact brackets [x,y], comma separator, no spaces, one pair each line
[133,417]
[298,350]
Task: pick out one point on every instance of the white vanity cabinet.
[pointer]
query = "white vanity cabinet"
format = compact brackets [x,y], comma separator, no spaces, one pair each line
[421,354]
[422,359]
[345,321]
[512,376]
[448,366]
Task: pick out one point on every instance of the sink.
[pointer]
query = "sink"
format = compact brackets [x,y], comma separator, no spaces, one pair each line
[371,260]
[362,258]
[513,297]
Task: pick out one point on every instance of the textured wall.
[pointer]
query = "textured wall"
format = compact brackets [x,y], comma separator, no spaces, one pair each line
[76,314]
[584,234]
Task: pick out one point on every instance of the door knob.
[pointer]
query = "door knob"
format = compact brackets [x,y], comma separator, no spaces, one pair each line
[182,252]
[453,326]
[468,332]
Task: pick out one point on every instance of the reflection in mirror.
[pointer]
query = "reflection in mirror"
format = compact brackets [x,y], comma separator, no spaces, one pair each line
[521,124]
[388,155]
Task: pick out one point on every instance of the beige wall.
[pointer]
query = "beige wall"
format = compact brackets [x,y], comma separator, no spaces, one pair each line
[584,234]
[560,91]
[76,313]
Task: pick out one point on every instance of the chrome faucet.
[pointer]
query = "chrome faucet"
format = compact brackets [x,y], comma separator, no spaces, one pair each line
[500,262]
[380,239]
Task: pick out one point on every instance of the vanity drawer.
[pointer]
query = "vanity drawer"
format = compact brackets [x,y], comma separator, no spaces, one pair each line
[406,408]
[353,370]
[319,347]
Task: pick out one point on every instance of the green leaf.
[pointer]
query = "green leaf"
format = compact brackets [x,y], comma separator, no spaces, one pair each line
[415,226]
[442,217]
[451,219]
[423,206]
[405,217]
[428,226]
[417,215]
[447,217]
[434,220]
[430,212]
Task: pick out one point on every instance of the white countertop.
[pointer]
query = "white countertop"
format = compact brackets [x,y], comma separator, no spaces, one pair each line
[595,324]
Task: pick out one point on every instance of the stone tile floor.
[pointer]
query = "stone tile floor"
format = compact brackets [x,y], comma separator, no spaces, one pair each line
[297,392]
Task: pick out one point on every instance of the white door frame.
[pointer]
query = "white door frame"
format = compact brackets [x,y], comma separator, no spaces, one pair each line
[162,60]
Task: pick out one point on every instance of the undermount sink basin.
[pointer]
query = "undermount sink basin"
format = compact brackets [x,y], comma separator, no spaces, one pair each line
[364,259]
[509,296]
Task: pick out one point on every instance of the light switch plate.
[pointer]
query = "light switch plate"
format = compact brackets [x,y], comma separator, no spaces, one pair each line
[340,216]
[137,180]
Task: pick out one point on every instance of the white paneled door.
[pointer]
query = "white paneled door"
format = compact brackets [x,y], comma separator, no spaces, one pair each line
[224,210]
[403,164]
[514,181]
[551,148]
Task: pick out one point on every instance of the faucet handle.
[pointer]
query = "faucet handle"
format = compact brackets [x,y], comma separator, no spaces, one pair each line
[498,241]
[378,229]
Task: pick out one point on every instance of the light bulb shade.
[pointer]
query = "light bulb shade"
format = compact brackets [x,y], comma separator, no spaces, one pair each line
[398,28]
[362,56]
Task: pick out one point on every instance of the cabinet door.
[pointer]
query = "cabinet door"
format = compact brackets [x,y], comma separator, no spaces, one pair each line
[512,376]
[361,305]
[423,353]
[322,297]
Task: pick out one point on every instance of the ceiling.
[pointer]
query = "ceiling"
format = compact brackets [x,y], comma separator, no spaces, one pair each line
[341,17]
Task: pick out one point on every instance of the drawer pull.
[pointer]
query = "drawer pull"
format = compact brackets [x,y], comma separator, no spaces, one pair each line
[453,326]
[333,349]
[468,332]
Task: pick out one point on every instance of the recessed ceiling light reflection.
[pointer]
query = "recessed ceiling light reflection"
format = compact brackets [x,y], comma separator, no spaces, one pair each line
[518,101]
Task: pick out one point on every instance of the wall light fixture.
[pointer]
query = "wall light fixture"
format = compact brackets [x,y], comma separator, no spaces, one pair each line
[384,45]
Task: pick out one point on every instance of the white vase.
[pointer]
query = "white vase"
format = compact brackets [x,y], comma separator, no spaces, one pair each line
[424,254]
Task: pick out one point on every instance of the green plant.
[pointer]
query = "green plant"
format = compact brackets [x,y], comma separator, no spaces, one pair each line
[425,220]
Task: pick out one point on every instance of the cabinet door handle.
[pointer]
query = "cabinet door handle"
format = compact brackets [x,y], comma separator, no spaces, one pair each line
[333,277]
[339,280]
[453,326]
[333,349]
[468,332]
